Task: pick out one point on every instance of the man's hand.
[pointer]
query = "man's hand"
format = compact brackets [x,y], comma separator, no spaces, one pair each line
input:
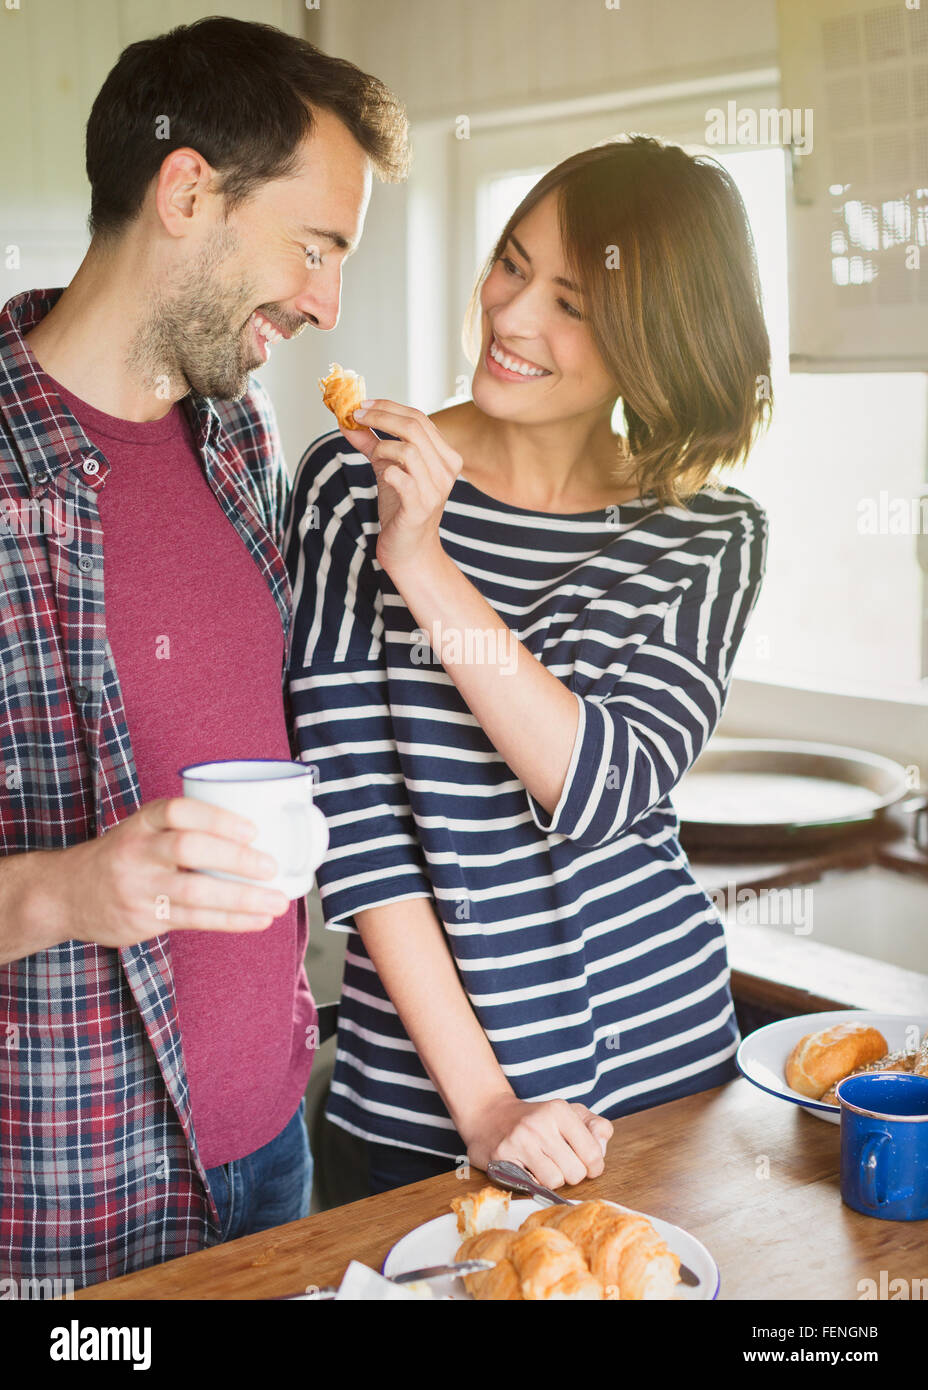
[557,1141]
[134,882]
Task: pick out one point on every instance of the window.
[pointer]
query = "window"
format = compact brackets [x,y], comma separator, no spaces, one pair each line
[859,211]
[497,199]
[838,472]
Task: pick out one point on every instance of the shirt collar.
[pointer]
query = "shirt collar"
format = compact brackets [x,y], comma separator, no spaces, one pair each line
[45,432]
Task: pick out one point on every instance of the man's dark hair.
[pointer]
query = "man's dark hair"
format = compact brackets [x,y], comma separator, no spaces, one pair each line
[240,94]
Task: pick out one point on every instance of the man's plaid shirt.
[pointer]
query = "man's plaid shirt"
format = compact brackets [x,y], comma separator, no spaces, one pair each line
[99,1170]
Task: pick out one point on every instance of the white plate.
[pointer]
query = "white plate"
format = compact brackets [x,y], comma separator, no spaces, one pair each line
[437,1242]
[762,1055]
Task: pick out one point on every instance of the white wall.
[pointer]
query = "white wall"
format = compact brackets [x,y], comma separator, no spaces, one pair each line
[54,56]
[445,57]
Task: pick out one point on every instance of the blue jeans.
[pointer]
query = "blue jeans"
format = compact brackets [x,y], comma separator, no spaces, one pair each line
[268,1187]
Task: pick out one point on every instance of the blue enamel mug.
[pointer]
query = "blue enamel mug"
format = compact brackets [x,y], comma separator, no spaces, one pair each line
[884,1145]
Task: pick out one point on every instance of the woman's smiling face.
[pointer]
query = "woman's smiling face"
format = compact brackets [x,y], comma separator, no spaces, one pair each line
[533,320]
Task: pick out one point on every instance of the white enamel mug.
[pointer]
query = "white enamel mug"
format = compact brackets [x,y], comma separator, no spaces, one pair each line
[277,796]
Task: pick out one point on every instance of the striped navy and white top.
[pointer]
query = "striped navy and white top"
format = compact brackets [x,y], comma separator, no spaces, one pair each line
[590,955]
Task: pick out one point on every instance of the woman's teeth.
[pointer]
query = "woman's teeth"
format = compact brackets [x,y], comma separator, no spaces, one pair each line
[514,364]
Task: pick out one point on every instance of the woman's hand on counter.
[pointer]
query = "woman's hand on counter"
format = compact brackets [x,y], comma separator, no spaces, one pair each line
[558,1141]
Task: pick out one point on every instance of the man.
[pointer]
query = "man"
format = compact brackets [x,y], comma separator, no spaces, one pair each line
[156,1025]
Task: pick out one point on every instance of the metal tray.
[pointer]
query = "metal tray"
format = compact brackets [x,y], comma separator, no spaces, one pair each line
[769,793]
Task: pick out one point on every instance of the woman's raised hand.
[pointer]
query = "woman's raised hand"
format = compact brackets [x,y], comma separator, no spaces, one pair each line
[415,472]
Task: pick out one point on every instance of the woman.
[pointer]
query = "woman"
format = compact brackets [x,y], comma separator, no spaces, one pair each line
[530,952]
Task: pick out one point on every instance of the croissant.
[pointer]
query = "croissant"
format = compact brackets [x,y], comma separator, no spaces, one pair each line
[623,1250]
[588,1250]
[500,1283]
[485,1210]
[531,1265]
[630,1258]
[550,1266]
[342,391]
[579,1223]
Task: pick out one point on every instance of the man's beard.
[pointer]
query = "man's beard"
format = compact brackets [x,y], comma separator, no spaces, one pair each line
[193,339]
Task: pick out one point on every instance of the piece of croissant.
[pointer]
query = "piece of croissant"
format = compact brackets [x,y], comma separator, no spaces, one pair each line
[485,1210]
[343,391]
[545,1216]
[631,1260]
[551,1267]
[578,1223]
[621,1247]
[498,1283]
[649,1270]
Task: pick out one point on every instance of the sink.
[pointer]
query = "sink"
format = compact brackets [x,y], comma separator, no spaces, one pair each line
[873,912]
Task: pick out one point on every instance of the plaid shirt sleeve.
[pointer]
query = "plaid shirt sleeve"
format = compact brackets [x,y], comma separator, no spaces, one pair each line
[99,1169]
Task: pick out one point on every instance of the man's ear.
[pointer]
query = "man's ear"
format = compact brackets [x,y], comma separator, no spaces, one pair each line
[184,181]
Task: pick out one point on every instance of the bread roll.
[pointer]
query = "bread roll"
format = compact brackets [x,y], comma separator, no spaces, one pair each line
[820,1059]
[343,391]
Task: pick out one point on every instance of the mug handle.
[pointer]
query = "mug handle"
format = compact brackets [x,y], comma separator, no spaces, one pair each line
[874,1185]
[308,839]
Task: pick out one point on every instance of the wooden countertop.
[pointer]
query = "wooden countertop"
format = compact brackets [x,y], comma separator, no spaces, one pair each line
[755,1179]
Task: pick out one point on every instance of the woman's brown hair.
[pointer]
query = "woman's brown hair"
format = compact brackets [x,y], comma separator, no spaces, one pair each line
[660,243]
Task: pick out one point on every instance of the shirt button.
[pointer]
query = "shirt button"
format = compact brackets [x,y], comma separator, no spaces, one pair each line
[85,563]
[42,478]
[91,466]
[82,693]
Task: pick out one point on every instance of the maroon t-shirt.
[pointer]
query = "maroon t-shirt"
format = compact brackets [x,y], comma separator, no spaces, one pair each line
[198,645]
